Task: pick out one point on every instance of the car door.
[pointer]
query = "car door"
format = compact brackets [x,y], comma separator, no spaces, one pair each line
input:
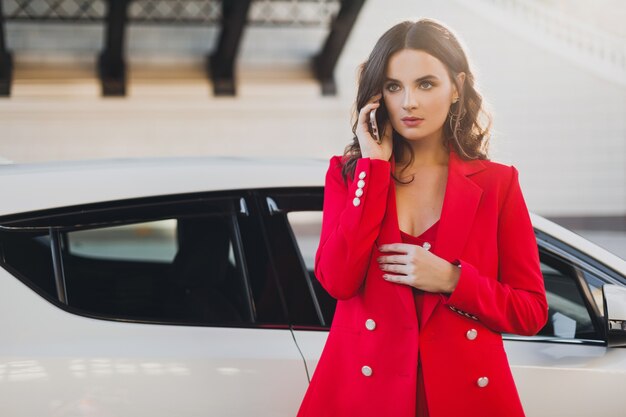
[164,306]
[565,370]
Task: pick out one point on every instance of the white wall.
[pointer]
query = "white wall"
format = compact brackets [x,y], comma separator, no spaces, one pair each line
[560,124]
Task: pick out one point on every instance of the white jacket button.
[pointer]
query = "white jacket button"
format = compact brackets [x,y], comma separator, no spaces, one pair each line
[362,175]
[359,192]
[356,201]
[370,324]
[360,184]
[366,370]
[426,245]
[471,334]
[483,381]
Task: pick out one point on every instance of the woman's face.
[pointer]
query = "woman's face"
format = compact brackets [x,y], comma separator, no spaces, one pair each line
[418,93]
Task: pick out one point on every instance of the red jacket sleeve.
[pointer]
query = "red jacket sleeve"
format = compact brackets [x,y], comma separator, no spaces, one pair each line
[351,220]
[516,301]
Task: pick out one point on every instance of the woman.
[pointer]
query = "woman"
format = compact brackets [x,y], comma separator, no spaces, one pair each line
[426,244]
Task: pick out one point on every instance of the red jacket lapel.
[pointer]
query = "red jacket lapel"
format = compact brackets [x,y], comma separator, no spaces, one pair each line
[460,203]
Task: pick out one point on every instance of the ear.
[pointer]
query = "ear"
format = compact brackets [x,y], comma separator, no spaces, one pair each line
[460,77]
[460,80]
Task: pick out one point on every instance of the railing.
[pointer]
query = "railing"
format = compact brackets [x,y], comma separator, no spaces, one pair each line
[300,13]
[579,41]
[232,15]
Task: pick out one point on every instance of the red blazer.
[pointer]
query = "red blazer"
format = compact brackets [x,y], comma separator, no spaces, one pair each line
[369,364]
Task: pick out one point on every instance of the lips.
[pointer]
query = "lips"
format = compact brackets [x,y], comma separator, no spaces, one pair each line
[412,121]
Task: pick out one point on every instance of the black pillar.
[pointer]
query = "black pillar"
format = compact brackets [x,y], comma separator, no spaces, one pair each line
[6,61]
[111,63]
[221,63]
[324,63]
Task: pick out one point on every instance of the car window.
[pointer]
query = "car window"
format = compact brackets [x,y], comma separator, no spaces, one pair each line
[173,269]
[569,315]
[205,263]
[595,287]
[307,226]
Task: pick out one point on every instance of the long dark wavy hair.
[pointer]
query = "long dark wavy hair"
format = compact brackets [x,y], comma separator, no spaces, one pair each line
[462,129]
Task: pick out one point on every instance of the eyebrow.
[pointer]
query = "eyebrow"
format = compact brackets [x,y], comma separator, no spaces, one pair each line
[425,77]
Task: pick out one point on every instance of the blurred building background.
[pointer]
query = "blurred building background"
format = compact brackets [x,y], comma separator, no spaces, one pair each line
[553,73]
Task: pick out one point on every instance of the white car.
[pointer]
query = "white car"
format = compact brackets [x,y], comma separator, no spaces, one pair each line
[185,287]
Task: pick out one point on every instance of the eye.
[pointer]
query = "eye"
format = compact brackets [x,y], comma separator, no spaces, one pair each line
[392,87]
[426,85]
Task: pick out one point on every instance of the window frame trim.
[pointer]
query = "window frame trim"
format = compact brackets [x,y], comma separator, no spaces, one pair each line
[57,265]
[240,257]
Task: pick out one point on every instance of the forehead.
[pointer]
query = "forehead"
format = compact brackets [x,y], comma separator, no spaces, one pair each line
[414,63]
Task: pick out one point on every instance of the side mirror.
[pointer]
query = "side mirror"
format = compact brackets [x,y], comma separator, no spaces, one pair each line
[615,314]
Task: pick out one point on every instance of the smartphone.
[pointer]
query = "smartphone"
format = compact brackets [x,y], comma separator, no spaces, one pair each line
[374,127]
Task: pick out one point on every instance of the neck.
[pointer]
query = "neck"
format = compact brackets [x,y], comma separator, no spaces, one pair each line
[427,153]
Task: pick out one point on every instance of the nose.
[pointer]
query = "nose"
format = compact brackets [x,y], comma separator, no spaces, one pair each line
[410,101]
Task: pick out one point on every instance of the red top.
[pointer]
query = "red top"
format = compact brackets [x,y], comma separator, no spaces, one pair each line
[429,236]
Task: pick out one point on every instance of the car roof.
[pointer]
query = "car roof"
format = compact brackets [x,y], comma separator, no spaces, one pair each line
[579,242]
[38,186]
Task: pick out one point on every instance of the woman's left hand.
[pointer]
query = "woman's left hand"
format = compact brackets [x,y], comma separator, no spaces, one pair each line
[415,266]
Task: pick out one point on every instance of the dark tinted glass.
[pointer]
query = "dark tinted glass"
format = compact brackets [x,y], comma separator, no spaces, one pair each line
[569,315]
[168,270]
[28,255]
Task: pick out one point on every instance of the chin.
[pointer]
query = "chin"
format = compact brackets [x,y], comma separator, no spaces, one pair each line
[412,136]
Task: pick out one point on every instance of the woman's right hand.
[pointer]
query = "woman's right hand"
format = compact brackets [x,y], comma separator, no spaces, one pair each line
[369,147]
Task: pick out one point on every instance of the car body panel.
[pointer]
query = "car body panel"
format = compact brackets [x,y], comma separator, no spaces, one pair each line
[568,378]
[55,363]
